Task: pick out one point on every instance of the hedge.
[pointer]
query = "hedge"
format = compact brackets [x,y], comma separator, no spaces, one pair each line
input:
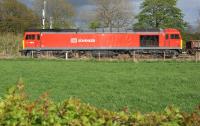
[17,110]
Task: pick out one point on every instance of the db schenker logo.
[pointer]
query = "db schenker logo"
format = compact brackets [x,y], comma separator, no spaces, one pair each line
[76,40]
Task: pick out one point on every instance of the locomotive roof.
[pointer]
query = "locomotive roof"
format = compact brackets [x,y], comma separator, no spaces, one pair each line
[77,30]
[52,30]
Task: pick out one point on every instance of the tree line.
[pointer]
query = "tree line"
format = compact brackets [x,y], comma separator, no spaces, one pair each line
[15,16]
[119,14]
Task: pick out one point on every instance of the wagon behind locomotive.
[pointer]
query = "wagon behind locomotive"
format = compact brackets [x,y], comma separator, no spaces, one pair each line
[192,46]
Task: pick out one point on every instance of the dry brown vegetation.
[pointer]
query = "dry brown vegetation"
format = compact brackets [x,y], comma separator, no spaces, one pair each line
[10,44]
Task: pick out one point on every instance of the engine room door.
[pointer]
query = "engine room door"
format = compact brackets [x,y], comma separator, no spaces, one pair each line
[37,41]
[167,40]
[149,41]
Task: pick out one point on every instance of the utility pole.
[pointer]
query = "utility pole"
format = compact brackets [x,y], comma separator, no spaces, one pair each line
[51,22]
[44,15]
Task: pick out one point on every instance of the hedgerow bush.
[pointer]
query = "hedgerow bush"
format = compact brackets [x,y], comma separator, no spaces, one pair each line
[10,44]
[17,110]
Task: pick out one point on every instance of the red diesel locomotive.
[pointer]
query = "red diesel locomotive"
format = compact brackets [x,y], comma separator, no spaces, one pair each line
[167,40]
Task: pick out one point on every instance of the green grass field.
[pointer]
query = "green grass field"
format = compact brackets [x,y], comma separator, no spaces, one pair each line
[141,86]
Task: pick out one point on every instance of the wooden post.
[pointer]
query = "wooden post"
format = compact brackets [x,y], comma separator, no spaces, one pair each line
[32,54]
[47,54]
[66,55]
[197,56]
[99,55]
[164,55]
[134,56]
[18,48]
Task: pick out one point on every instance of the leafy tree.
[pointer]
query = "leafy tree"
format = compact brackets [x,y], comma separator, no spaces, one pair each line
[192,36]
[61,11]
[94,25]
[160,14]
[16,17]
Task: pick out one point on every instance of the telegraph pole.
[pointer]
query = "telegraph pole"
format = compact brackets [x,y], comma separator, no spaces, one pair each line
[51,22]
[44,15]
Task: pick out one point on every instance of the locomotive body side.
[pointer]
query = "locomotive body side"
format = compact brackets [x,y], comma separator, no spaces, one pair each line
[168,39]
[89,41]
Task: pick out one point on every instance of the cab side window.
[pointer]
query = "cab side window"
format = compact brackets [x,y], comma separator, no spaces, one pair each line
[27,37]
[174,36]
[38,37]
[30,37]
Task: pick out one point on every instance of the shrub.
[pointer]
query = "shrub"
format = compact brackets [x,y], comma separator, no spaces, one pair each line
[10,44]
[17,110]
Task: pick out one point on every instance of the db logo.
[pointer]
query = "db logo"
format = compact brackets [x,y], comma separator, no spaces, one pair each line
[74,40]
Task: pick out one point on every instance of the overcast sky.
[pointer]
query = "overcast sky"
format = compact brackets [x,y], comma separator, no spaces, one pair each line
[190,8]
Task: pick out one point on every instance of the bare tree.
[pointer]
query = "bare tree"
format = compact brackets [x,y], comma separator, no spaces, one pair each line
[114,13]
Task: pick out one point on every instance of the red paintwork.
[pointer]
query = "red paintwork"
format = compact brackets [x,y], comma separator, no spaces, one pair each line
[174,42]
[31,43]
[55,40]
[97,40]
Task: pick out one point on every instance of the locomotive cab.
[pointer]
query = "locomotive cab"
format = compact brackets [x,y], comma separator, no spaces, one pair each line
[173,38]
[31,40]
